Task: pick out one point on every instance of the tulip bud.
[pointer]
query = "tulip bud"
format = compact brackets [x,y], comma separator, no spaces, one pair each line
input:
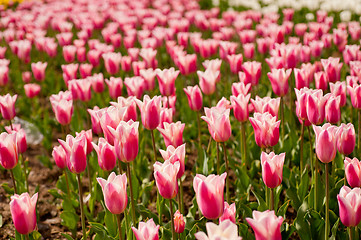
[172,133]
[179,224]
[325,142]
[219,125]
[353,172]
[266,225]
[59,156]
[150,111]
[195,98]
[147,230]
[8,150]
[226,230]
[106,154]
[229,213]
[346,138]
[349,203]
[166,178]
[7,106]
[272,168]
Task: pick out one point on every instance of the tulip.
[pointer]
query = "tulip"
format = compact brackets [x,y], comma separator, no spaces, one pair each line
[127,108]
[150,111]
[69,53]
[4,75]
[26,76]
[20,136]
[32,90]
[39,70]
[248,50]
[272,168]
[195,98]
[107,158]
[85,70]
[266,129]
[97,82]
[115,192]
[240,88]
[279,80]
[166,79]
[23,212]
[302,78]
[321,80]
[69,72]
[63,110]
[349,203]
[266,104]
[172,133]
[59,156]
[115,86]
[166,115]
[148,75]
[81,89]
[332,68]
[346,138]
[179,224]
[229,213]
[112,62]
[316,106]
[235,62]
[8,150]
[135,86]
[148,55]
[209,194]
[226,230]
[187,64]
[146,231]
[252,71]
[266,225]
[173,155]
[75,149]
[353,172]
[208,80]
[7,106]
[218,122]
[95,120]
[166,178]
[333,109]
[339,89]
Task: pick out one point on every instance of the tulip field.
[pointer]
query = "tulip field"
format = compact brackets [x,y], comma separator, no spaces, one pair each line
[180,119]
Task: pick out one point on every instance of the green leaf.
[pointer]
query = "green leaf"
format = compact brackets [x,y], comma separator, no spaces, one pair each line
[69,219]
[111,223]
[334,230]
[303,187]
[262,206]
[54,193]
[282,210]
[302,226]
[67,236]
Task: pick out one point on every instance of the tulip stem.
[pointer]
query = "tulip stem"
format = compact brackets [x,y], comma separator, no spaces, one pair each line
[218,160]
[81,206]
[14,182]
[244,144]
[67,183]
[180,203]
[131,193]
[199,131]
[153,141]
[172,218]
[227,171]
[314,173]
[25,172]
[301,146]
[119,227]
[11,125]
[327,204]
[89,178]
[120,167]
[26,236]
[282,119]
[272,199]
[359,132]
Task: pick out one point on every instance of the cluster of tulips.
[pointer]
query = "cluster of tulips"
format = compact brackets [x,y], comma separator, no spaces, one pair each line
[277,73]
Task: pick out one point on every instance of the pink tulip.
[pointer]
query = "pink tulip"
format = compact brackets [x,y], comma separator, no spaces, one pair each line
[115,192]
[32,90]
[20,136]
[195,98]
[214,65]
[248,50]
[252,71]
[226,230]
[89,138]
[8,150]
[146,231]
[127,108]
[26,76]
[63,110]
[325,142]
[23,212]
[321,80]
[106,154]
[301,103]
[112,62]
[93,57]
[208,80]
[240,107]
[4,75]
[339,89]
[135,86]
[235,62]
[218,122]
[279,80]
[240,88]
[187,63]
[266,104]
[166,178]
[126,140]
[355,94]
[69,72]
[85,70]
[148,75]
[353,172]
[166,115]
[81,89]
[266,129]
[81,54]
[115,86]
[333,68]
[166,80]
[7,106]
[173,155]
[75,149]
[109,117]
[302,78]
[266,225]
[179,224]
[227,48]
[95,120]
[272,168]
[150,111]
[39,70]
[209,194]
[333,109]
[346,138]
[97,82]
[148,55]
[316,106]
[172,133]
[59,156]
[349,203]
[69,53]
[229,213]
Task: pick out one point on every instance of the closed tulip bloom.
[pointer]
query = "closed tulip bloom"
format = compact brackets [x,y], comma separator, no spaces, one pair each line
[85,70]
[229,213]
[252,71]
[266,225]
[266,129]
[147,231]
[95,120]
[4,75]
[112,62]
[149,57]
[346,138]
[109,117]
[26,76]
[75,149]
[126,140]
[39,70]
[59,156]
[166,115]
[332,68]
[279,80]
[81,89]
[148,75]
[135,86]
[240,107]
[195,98]
[166,79]
[272,168]
[69,53]
[63,110]
[248,50]
[115,192]
[97,82]
[208,80]
[321,80]
[7,106]
[353,172]
[302,78]
[166,178]
[179,224]
[115,86]
[106,154]
[240,88]
[218,122]
[301,103]
[89,138]
[226,230]
[235,62]
[8,150]
[173,155]
[339,89]
[266,104]
[32,90]
[69,72]
[23,212]
[349,204]
[325,142]
[333,109]
[316,106]
[355,94]
[210,194]
[20,136]
[172,133]
[150,111]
